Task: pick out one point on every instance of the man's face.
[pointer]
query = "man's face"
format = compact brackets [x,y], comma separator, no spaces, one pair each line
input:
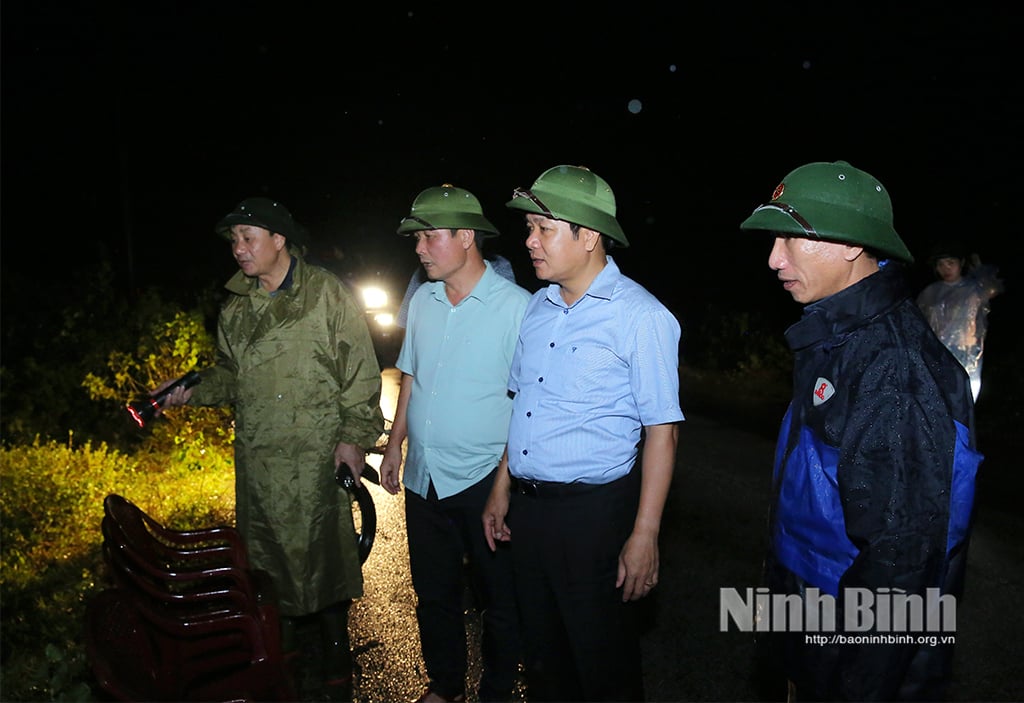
[442,251]
[949,269]
[555,253]
[812,269]
[255,249]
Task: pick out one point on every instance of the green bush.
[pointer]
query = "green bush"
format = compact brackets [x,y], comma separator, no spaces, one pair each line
[88,327]
[174,342]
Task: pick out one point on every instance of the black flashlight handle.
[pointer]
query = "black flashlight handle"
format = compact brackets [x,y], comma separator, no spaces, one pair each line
[143,409]
[187,381]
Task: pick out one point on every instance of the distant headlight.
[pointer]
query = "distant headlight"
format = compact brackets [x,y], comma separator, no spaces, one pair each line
[374,297]
[384,319]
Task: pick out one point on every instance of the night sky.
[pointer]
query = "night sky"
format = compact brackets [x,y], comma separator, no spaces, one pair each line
[128,129]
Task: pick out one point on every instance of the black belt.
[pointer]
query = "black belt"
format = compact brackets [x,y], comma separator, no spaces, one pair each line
[551,489]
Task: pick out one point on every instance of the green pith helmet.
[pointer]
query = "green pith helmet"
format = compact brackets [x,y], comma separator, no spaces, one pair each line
[574,194]
[832,201]
[446,207]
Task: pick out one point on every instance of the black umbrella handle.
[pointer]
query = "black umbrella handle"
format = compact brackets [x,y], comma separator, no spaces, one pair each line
[361,495]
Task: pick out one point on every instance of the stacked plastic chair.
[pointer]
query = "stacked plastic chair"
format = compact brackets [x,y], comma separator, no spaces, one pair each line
[186,618]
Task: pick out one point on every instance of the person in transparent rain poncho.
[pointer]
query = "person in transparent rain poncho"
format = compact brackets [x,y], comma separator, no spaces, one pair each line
[957,305]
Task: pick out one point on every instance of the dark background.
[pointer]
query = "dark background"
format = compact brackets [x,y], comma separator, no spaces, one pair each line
[130,128]
[127,129]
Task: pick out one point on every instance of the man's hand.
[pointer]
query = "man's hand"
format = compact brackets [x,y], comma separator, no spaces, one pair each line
[496,508]
[353,457]
[638,566]
[179,396]
[390,465]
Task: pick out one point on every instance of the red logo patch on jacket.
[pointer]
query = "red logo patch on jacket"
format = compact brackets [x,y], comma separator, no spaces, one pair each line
[823,390]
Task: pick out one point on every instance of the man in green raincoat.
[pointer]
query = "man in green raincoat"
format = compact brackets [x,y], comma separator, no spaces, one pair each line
[296,362]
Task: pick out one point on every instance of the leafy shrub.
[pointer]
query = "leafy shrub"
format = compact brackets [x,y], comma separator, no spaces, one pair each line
[174,342]
[82,323]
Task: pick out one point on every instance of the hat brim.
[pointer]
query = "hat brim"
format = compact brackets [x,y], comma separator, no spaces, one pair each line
[447,220]
[773,217]
[293,232]
[568,210]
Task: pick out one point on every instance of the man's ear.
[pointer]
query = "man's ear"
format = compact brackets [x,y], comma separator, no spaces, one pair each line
[852,252]
[591,238]
[468,238]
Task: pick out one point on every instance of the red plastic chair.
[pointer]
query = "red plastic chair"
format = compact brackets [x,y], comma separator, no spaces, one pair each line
[199,622]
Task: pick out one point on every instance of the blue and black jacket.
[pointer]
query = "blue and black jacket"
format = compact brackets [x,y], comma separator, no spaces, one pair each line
[874,481]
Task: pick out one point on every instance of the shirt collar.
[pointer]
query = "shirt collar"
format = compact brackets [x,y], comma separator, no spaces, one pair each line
[601,287]
[289,279]
[481,291]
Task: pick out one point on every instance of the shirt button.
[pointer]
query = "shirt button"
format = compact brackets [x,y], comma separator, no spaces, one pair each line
[552,345]
[540,380]
[525,452]
[529,414]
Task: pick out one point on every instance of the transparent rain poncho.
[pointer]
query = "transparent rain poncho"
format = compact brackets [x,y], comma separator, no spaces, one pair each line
[958,313]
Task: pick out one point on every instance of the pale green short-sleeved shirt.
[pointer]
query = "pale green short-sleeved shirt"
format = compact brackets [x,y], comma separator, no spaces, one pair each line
[459,357]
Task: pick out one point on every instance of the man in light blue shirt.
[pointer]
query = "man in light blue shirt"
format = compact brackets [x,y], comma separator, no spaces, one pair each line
[454,408]
[595,377]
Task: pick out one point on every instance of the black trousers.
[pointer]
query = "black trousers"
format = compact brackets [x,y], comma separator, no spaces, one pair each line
[441,533]
[581,642]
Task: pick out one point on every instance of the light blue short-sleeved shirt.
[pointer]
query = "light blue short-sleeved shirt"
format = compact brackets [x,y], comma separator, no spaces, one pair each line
[588,377]
[459,357]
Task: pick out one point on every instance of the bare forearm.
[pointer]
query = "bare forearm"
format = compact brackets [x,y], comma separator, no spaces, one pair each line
[659,458]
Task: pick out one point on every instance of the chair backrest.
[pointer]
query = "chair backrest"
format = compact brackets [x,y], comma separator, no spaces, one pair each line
[189,597]
[220,545]
[207,559]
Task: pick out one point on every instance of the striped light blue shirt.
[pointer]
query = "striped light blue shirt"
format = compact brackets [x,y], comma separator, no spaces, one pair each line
[588,377]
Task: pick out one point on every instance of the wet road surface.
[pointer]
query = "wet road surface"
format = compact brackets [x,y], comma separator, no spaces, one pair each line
[712,538]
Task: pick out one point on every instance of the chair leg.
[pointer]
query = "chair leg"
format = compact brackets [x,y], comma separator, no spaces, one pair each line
[337,652]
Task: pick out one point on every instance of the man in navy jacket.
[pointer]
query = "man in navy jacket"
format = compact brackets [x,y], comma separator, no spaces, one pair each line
[876,461]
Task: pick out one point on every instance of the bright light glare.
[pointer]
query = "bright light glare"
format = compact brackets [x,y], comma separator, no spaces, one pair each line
[384,319]
[374,297]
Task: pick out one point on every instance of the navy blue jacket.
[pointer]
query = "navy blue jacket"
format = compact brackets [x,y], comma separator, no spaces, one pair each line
[874,481]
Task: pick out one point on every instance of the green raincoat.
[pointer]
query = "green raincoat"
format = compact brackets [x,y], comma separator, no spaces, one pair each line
[299,368]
